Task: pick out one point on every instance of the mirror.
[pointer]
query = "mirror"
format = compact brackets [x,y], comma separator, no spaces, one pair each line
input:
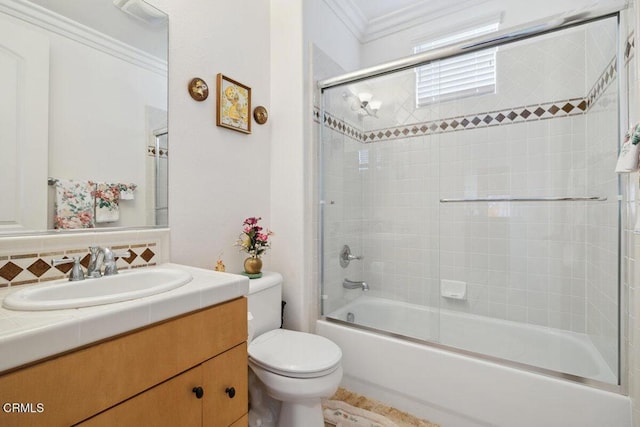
[83,116]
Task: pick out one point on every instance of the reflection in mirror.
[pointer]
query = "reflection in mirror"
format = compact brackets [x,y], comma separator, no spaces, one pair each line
[161,151]
[83,124]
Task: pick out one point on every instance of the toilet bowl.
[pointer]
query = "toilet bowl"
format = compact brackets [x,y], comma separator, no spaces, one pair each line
[296,369]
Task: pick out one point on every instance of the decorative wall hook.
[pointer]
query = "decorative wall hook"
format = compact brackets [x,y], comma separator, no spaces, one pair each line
[198,89]
[261,115]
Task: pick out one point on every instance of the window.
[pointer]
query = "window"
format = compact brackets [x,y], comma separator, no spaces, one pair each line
[465,75]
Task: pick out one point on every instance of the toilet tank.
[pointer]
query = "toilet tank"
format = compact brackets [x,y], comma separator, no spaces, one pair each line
[264,302]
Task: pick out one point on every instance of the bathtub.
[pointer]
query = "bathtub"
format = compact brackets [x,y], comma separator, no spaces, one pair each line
[459,390]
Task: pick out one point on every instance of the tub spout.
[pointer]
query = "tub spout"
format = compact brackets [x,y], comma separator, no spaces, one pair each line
[351,284]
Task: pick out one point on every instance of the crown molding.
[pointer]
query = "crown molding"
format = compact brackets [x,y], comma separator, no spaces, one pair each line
[399,20]
[87,36]
[414,15]
[350,15]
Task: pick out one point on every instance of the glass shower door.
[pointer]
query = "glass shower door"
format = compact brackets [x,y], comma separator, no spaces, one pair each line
[379,180]
[486,223]
[529,208]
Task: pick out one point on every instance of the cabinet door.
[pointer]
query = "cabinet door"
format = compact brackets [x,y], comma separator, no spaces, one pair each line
[225,381]
[171,403]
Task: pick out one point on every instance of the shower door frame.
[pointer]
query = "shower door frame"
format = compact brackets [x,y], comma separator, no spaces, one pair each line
[501,38]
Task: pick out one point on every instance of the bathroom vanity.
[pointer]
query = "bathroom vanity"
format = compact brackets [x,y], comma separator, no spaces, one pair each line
[186,369]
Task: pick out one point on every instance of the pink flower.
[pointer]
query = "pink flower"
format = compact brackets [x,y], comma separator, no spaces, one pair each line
[252,220]
[253,240]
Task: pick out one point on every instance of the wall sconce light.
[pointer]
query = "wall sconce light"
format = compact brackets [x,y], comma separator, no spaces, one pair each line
[363,103]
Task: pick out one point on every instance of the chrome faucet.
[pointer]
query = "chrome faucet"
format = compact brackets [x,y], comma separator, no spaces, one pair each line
[103,256]
[351,284]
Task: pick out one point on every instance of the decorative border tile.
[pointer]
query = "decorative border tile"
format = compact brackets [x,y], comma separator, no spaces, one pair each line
[548,110]
[528,113]
[602,83]
[28,268]
[629,48]
[151,151]
[338,125]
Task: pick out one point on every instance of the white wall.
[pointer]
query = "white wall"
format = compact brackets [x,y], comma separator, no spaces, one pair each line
[288,151]
[217,177]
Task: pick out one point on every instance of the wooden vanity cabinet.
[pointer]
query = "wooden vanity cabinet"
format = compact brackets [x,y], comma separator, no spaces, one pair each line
[147,377]
[175,402]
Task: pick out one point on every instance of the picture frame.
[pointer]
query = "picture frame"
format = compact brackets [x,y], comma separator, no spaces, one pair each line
[233,104]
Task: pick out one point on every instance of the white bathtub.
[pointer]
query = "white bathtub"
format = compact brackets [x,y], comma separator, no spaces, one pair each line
[457,390]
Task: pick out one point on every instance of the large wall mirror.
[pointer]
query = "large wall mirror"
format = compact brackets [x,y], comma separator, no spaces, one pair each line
[83,115]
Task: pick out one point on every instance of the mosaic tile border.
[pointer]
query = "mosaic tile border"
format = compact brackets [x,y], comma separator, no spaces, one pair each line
[570,107]
[542,111]
[629,48]
[602,83]
[338,125]
[29,268]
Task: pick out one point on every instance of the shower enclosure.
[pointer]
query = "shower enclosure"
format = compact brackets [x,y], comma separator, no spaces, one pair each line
[478,198]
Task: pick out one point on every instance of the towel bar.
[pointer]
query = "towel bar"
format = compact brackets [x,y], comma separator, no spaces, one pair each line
[528,199]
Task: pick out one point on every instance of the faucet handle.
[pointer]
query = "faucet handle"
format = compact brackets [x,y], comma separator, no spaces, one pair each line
[111,255]
[76,271]
[122,254]
[346,257]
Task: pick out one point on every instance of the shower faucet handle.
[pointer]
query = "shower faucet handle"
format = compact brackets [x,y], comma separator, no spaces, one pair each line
[346,257]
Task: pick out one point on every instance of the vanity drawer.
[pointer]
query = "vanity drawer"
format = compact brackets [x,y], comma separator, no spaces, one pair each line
[77,385]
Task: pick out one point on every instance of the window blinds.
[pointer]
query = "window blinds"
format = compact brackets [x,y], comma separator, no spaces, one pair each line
[460,76]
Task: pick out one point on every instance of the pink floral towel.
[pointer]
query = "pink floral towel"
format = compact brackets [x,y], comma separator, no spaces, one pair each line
[74,204]
[107,208]
[107,200]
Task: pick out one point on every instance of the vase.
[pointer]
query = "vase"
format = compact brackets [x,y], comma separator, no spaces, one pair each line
[252,265]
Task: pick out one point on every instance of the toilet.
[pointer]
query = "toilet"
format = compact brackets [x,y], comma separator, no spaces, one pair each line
[295,370]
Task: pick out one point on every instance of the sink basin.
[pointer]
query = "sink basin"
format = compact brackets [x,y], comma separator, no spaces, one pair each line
[128,285]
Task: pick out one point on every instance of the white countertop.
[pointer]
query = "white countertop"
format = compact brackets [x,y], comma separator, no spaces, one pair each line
[27,336]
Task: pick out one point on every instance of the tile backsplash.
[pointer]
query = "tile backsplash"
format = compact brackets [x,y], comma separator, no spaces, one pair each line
[27,259]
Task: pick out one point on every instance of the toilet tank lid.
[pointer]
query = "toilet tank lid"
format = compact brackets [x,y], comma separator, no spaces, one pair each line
[268,280]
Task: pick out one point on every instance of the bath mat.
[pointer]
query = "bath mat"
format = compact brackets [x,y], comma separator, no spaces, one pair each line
[342,414]
[349,409]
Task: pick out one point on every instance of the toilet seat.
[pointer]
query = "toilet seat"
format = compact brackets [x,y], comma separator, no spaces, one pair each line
[295,354]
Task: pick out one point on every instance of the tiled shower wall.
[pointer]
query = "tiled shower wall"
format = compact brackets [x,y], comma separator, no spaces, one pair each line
[343,214]
[521,261]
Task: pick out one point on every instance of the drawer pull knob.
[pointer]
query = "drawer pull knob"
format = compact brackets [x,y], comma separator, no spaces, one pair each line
[199,391]
[231,392]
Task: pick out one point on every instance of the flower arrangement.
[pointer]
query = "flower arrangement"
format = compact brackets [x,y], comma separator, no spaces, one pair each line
[254,240]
